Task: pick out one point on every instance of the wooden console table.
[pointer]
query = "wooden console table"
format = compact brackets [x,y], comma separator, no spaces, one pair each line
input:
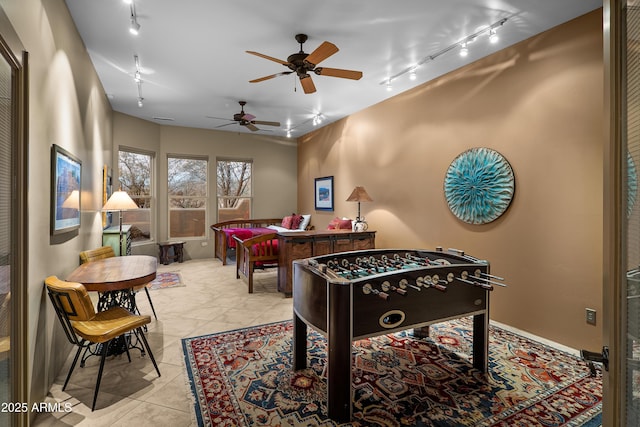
[298,245]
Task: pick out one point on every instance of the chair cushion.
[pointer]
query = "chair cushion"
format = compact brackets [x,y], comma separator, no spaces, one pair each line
[109,324]
[262,248]
[242,233]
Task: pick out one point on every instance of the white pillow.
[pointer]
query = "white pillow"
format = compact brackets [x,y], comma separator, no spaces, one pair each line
[306,219]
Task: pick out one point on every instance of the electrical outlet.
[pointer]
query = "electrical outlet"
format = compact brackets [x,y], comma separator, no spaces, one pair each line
[591,316]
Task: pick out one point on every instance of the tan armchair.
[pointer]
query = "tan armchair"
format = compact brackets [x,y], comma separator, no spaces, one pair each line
[84,326]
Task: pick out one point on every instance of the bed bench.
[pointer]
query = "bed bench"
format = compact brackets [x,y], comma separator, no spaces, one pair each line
[243,228]
[255,252]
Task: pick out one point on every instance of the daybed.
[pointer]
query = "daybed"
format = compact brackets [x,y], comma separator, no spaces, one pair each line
[245,229]
[255,252]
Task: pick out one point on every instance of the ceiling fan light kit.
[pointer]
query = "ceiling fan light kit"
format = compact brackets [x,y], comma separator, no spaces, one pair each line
[303,64]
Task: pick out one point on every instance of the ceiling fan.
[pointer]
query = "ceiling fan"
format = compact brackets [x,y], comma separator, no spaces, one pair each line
[244,119]
[302,63]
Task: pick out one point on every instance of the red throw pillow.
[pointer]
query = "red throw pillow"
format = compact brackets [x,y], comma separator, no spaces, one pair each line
[334,224]
[344,224]
[287,221]
[296,221]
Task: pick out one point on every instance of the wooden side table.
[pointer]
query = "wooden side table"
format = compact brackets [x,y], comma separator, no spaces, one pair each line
[165,257]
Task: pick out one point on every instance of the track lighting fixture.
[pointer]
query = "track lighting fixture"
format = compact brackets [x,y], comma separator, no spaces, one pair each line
[464,51]
[463,44]
[140,98]
[137,76]
[493,36]
[134,26]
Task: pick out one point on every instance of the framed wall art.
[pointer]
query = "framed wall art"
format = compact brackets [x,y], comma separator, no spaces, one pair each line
[107,190]
[479,185]
[324,193]
[66,173]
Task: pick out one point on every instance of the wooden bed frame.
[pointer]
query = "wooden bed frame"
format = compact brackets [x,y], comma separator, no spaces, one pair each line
[220,236]
[260,250]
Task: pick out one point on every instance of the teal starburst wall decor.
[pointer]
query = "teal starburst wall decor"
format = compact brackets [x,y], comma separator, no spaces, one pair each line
[479,185]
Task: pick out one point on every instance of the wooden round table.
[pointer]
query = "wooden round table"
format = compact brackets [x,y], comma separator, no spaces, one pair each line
[115,273]
[114,278]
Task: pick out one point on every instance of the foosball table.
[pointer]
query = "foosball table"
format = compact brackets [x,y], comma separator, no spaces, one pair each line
[354,295]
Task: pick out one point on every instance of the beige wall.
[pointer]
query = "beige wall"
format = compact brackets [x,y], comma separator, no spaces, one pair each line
[274,169]
[68,107]
[540,105]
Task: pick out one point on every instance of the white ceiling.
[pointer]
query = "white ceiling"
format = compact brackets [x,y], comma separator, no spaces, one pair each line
[194,65]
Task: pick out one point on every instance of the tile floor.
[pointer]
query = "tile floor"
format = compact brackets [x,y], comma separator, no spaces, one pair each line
[132,393]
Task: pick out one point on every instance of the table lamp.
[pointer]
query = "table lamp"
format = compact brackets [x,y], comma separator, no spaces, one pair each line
[119,201]
[359,194]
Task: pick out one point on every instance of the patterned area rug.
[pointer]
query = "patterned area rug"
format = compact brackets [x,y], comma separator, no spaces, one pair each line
[166,280]
[244,378]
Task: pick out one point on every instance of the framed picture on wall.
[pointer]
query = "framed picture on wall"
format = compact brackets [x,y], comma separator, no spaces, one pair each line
[324,193]
[66,173]
[107,190]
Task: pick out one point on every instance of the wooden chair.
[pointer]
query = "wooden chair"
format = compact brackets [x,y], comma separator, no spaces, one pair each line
[259,251]
[107,252]
[84,327]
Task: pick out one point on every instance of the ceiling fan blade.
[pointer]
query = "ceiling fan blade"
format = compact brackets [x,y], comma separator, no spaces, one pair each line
[337,72]
[321,53]
[260,122]
[307,84]
[261,79]
[248,117]
[251,127]
[270,58]
[226,124]
[218,118]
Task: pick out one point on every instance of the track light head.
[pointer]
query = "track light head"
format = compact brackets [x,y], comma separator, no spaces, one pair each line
[134,28]
[464,51]
[493,36]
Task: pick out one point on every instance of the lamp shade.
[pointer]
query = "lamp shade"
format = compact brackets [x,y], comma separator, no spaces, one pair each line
[119,201]
[73,201]
[359,194]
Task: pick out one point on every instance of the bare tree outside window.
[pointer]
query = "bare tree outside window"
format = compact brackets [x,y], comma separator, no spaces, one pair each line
[188,201]
[234,189]
[135,177]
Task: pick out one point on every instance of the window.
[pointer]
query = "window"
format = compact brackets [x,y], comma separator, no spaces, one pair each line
[234,189]
[135,172]
[188,201]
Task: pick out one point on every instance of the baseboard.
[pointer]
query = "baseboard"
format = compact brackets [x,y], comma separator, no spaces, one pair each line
[537,338]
